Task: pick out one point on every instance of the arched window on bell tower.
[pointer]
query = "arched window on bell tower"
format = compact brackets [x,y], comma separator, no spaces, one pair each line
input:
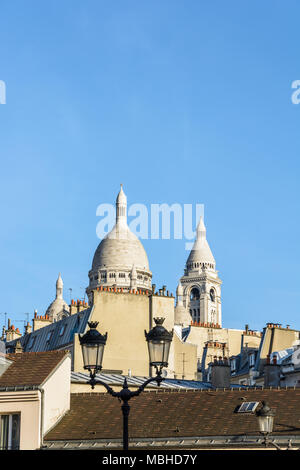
[212,295]
[194,304]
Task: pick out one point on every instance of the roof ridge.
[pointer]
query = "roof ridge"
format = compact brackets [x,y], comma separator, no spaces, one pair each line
[52,351]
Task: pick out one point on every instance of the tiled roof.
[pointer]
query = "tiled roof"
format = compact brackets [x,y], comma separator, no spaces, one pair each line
[30,369]
[176,414]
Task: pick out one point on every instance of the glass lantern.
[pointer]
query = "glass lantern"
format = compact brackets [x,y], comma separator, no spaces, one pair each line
[159,342]
[265,419]
[92,345]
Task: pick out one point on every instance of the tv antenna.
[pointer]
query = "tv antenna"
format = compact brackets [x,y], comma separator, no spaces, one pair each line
[183,367]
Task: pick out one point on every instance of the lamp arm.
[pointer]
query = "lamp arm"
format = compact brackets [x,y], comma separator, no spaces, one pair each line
[157,379]
[275,445]
[94,382]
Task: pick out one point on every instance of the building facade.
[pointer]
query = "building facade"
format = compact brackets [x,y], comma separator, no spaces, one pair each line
[123,300]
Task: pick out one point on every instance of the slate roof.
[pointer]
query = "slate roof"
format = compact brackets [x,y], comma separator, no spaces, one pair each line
[118,379]
[30,369]
[176,414]
[60,337]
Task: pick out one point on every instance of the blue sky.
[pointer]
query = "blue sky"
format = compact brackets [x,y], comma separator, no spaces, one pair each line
[181,101]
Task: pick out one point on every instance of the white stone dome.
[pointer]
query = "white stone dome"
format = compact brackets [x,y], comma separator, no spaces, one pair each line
[58,308]
[201,252]
[120,248]
[120,259]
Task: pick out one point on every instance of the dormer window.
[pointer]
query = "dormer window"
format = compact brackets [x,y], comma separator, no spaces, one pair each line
[62,330]
[49,335]
[252,359]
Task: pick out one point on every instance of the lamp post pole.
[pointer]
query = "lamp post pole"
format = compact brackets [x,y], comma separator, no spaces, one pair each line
[93,343]
[125,395]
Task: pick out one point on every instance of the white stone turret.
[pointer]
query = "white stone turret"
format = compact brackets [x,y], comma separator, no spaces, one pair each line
[201,285]
[201,255]
[59,287]
[58,308]
[121,208]
[133,278]
[182,316]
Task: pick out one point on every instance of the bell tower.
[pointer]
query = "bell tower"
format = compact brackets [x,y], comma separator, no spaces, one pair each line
[200,284]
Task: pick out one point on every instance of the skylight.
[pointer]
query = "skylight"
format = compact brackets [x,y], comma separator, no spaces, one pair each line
[248,407]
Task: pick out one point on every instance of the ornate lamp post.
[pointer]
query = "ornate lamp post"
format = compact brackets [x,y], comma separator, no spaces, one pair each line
[265,420]
[93,343]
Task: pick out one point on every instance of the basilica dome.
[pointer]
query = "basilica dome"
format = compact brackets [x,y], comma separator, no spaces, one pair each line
[120,259]
[120,248]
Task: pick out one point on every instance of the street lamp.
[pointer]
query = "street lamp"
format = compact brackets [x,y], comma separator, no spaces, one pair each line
[265,420]
[159,342]
[93,343]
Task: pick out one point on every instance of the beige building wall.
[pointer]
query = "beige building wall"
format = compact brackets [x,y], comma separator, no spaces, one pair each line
[185,359]
[163,306]
[125,317]
[200,335]
[28,404]
[57,394]
[277,339]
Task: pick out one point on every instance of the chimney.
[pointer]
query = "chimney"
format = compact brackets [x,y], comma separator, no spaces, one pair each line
[272,373]
[220,374]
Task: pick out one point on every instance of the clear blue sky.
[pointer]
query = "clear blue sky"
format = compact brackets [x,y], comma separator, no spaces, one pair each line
[181,101]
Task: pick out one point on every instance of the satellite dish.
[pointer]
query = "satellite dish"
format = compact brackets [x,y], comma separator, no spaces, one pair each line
[164,373]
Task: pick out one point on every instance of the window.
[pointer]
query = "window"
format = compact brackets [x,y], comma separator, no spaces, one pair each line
[251,360]
[195,294]
[49,336]
[196,315]
[9,432]
[62,330]
[212,295]
[248,407]
[121,274]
